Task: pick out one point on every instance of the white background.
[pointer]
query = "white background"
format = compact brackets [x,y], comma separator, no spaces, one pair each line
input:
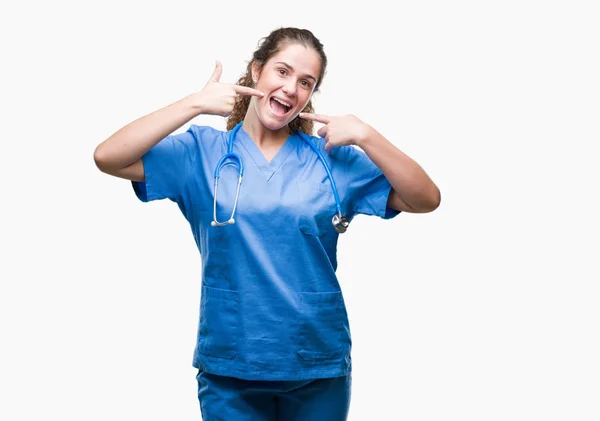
[486,309]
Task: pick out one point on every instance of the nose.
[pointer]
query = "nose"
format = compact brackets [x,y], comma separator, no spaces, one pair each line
[290,88]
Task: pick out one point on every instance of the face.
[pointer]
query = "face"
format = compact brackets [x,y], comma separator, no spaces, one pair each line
[288,80]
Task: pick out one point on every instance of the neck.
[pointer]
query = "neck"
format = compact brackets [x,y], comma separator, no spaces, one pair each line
[261,135]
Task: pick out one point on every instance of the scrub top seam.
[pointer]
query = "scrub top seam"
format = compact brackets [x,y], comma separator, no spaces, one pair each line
[270,170]
[249,153]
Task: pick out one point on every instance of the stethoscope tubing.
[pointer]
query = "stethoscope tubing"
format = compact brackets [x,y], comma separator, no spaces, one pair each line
[231,158]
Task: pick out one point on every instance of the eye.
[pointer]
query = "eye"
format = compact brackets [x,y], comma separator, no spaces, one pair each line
[282,72]
[306,83]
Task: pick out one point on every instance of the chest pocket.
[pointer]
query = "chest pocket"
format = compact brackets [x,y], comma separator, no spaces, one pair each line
[317,208]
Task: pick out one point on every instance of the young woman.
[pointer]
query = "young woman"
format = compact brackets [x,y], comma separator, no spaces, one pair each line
[273,340]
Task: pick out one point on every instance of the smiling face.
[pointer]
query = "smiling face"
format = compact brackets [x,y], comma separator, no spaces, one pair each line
[288,80]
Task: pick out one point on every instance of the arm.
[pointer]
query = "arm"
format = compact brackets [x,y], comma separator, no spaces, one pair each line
[120,155]
[412,189]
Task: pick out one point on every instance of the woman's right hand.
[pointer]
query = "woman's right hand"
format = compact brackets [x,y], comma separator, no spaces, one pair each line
[218,98]
[121,154]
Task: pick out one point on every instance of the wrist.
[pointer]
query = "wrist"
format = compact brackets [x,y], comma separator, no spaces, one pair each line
[366,137]
[191,105]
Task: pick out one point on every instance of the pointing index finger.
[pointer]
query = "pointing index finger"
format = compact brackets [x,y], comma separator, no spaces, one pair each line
[316,117]
[244,90]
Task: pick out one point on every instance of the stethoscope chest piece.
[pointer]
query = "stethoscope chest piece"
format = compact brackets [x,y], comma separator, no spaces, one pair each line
[340,223]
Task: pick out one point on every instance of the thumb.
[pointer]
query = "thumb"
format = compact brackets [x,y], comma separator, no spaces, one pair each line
[217,73]
[322,132]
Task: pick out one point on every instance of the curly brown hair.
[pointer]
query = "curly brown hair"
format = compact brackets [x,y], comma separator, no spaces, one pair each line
[267,48]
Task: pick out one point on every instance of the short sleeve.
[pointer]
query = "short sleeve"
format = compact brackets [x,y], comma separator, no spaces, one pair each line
[167,166]
[367,188]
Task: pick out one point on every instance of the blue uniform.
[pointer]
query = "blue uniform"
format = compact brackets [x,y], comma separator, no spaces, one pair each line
[271,307]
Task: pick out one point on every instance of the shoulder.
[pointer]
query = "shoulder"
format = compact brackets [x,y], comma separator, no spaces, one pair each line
[205,132]
[206,136]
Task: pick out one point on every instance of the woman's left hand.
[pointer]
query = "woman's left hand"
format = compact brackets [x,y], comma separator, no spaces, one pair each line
[340,130]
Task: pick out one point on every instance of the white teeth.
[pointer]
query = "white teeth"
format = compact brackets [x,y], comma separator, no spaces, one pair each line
[282,103]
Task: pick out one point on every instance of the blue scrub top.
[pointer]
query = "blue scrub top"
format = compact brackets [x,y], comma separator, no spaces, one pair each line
[271,307]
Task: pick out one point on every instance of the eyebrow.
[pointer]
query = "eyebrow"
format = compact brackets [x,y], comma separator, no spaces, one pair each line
[292,69]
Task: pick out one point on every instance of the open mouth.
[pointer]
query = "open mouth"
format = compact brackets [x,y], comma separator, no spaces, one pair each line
[280,108]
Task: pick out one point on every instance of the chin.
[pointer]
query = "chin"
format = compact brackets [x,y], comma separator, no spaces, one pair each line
[273,123]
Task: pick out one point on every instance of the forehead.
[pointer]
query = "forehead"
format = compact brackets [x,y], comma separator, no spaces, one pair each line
[303,59]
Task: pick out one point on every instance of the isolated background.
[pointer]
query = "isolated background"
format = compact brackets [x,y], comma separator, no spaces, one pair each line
[486,309]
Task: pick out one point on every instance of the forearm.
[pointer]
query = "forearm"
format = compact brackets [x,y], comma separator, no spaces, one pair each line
[409,181]
[131,142]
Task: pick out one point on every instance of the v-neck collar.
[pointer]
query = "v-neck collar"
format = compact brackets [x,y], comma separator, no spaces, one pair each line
[266,167]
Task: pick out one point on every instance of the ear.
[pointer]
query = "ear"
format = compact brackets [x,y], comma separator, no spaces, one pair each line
[256,68]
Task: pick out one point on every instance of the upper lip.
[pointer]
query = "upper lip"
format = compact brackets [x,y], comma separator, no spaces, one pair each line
[283,100]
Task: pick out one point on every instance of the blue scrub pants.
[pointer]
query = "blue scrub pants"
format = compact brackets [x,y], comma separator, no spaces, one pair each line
[231,399]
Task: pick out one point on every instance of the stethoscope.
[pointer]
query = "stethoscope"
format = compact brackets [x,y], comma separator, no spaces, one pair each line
[340,222]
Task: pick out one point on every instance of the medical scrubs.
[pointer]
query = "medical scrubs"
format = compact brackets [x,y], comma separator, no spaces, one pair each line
[271,308]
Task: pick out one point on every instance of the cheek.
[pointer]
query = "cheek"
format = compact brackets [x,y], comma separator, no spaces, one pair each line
[306,100]
[266,81]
